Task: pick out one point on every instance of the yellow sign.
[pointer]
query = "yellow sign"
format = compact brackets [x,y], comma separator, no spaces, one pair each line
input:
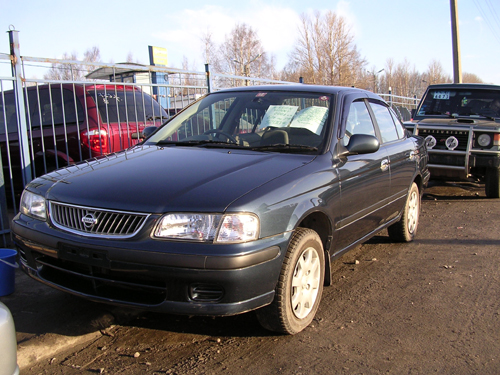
[160,56]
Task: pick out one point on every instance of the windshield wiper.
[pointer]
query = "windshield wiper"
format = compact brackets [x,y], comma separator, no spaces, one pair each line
[204,143]
[282,147]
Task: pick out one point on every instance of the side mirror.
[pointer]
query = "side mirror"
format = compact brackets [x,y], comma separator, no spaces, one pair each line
[362,144]
[146,132]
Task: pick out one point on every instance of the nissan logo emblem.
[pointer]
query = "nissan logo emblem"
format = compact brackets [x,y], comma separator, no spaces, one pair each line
[89,221]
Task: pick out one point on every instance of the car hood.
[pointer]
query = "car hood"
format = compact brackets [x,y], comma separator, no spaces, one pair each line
[159,179]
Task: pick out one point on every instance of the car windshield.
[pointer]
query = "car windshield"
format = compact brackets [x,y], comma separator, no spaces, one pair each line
[461,102]
[275,121]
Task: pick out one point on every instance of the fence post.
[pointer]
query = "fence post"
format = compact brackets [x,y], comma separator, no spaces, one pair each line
[22,129]
[209,78]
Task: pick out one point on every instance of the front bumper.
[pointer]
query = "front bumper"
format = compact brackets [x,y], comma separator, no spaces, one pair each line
[462,163]
[173,277]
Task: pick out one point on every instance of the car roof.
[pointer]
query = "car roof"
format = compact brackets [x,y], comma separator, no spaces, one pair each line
[463,86]
[306,88]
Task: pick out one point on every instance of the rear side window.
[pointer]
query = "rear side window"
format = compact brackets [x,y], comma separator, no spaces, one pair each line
[126,106]
[385,123]
[399,126]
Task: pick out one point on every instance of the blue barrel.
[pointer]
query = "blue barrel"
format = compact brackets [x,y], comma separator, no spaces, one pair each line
[8,267]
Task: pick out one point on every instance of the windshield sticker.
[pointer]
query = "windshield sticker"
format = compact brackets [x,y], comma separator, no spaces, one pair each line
[323,98]
[261,94]
[441,95]
[278,116]
[311,118]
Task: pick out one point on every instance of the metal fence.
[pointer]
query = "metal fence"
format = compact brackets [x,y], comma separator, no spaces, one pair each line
[401,104]
[89,110]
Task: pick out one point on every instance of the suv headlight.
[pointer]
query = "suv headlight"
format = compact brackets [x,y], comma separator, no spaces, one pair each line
[33,205]
[231,228]
[484,140]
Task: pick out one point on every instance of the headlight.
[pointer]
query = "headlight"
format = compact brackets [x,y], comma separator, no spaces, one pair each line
[231,228]
[33,205]
[484,140]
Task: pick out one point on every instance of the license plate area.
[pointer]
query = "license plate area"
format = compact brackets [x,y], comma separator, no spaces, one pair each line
[92,257]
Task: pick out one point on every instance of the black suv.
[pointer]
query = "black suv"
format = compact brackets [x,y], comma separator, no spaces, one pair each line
[240,202]
[461,125]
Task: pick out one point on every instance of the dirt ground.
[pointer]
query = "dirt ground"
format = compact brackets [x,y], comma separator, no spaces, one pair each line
[431,306]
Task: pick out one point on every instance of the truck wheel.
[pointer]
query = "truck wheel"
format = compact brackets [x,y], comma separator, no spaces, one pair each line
[300,285]
[492,183]
[406,228]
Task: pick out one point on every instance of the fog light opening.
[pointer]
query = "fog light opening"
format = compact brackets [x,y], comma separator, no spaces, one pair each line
[205,293]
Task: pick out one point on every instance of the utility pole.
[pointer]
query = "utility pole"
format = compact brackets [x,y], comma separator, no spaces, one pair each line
[457,65]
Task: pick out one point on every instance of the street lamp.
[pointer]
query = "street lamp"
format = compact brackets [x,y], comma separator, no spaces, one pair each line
[375,78]
[245,66]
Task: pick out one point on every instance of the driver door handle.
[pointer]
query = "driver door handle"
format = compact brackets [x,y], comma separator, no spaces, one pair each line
[384,164]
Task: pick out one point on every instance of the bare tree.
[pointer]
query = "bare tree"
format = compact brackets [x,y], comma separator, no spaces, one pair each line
[325,52]
[435,73]
[73,71]
[242,54]
[471,78]
[401,79]
[209,48]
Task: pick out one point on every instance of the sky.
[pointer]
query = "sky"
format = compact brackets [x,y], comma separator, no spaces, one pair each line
[417,31]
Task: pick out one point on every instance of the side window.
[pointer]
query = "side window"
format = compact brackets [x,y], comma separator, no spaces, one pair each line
[358,121]
[399,126]
[385,122]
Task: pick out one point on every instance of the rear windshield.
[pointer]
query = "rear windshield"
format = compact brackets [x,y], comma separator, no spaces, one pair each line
[460,102]
[127,106]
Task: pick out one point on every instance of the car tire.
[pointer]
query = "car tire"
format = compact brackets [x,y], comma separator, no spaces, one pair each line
[300,285]
[406,228]
[492,183]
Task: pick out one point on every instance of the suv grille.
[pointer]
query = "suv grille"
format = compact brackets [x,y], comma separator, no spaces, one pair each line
[441,135]
[96,222]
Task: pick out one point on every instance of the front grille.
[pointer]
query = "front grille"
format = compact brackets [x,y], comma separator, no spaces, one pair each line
[442,135]
[96,222]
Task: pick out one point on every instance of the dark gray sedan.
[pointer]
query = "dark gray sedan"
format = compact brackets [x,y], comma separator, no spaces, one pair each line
[240,202]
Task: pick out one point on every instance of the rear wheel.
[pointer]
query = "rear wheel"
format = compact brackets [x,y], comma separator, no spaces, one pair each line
[300,285]
[492,183]
[406,228]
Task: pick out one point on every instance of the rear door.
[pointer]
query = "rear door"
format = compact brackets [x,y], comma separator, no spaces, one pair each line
[400,151]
